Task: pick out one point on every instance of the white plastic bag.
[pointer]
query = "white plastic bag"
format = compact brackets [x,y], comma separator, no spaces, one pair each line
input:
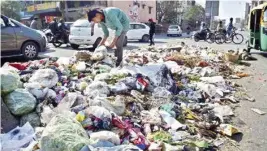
[17,138]
[107,136]
[97,88]
[99,112]
[81,66]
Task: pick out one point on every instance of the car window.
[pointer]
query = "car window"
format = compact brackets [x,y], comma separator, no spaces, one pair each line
[265,15]
[131,26]
[139,26]
[81,23]
[2,23]
[11,23]
[173,27]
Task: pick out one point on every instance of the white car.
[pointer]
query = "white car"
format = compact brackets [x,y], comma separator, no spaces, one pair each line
[138,31]
[80,34]
[174,30]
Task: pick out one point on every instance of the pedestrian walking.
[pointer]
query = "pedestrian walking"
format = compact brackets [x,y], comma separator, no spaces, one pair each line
[34,24]
[113,18]
[151,31]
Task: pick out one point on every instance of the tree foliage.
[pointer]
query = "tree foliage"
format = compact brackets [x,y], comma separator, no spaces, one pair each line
[194,14]
[11,9]
[167,11]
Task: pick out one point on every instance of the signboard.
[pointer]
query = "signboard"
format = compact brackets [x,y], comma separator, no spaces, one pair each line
[44,6]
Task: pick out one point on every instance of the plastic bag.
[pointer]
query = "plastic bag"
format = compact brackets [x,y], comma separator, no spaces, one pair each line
[119,88]
[36,89]
[63,133]
[117,106]
[99,53]
[81,66]
[20,102]
[159,75]
[172,122]
[213,80]
[9,80]
[17,138]
[151,117]
[115,148]
[107,136]
[161,92]
[97,88]
[99,112]
[46,77]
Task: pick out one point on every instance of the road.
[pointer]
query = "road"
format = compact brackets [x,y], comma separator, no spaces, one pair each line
[250,123]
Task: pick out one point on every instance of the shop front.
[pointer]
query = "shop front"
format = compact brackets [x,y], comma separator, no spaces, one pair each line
[45,12]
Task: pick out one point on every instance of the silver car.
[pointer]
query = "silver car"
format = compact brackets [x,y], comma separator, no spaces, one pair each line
[20,40]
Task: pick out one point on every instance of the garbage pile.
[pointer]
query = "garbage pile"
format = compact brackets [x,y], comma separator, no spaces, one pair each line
[161,98]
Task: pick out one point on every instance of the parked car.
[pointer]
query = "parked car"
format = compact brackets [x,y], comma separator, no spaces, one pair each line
[68,24]
[174,30]
[138,31]
[19,40]
[80,34]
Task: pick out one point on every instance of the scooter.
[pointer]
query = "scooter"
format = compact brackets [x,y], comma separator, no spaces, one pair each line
[210,37]
[48,34]
[58,40]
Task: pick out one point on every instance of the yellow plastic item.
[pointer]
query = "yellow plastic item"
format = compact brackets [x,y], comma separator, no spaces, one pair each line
[80,116]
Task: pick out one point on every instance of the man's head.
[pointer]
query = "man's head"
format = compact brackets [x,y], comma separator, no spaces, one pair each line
[220,22]
[231,19]
[150,20]
[54,19]
[95,15]
[35,18]
[61,20]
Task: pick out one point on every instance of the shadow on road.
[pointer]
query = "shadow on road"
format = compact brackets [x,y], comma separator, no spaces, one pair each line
[264,54]
[137,42]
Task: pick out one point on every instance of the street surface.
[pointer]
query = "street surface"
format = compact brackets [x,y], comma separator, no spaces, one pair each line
[252,125]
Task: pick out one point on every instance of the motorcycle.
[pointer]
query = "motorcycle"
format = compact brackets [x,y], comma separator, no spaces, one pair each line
[58,39]
[210,37]
[48,34]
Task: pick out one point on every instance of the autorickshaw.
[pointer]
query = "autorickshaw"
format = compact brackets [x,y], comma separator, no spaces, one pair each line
[258,28]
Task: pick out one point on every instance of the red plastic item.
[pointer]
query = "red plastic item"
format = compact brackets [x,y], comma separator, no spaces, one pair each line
[20,66]
[143,83]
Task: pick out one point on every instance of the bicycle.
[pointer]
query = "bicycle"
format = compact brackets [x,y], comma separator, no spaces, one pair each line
[234,37]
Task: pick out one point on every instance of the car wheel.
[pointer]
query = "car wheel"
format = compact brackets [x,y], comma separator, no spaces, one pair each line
[74,46]
[98,40]
[125,41]
[30,50]
[145,38]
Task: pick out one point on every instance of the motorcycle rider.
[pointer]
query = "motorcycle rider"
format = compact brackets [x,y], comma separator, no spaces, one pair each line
[203,30]
[63,30]
[53,26]
[221,28]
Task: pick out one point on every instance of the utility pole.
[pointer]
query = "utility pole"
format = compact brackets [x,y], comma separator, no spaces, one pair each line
[211,15]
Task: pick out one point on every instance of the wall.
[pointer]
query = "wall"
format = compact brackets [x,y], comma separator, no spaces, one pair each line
[135,13]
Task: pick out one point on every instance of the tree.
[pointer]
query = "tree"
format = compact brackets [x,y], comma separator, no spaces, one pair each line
[194,14]
[11,9]
[167,11]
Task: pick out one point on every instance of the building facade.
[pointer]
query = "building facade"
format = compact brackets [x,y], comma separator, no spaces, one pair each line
[255,3]
[138,11]
[212,10]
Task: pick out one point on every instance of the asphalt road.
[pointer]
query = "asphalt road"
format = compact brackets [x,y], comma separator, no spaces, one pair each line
[250,123]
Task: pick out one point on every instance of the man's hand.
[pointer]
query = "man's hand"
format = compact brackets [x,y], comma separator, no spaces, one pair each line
[102,43]
[112,45]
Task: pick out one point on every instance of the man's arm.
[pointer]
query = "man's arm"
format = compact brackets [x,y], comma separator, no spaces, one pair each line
[106,33]
[119,29]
